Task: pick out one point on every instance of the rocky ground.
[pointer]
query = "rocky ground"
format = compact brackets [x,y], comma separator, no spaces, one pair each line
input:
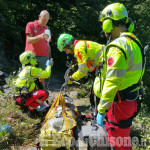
[53,85]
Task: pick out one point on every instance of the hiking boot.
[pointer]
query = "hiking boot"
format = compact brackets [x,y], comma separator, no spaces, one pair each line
[24,110]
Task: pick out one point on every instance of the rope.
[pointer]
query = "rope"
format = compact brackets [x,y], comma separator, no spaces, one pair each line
[59,100]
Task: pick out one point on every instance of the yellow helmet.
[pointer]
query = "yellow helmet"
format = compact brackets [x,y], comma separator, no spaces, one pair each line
[115,11]
[27,57]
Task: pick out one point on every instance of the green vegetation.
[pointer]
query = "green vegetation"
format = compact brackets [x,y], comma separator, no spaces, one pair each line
[141,129]
[24,129]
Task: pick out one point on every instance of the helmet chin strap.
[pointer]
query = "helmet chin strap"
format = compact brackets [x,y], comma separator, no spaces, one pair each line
[67,57]
[109,39]
[102,34]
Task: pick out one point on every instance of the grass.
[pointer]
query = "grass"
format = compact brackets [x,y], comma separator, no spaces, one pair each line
[141,129]
[24,129]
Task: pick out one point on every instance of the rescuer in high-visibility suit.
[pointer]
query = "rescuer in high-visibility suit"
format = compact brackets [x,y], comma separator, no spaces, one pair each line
[87,53]
[123,68]
[29,93]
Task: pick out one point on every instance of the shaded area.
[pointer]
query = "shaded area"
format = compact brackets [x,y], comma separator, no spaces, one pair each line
[83,109]
[56,80]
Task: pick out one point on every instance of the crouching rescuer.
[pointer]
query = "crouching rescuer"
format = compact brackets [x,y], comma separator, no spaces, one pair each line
[120,76]
[29,91]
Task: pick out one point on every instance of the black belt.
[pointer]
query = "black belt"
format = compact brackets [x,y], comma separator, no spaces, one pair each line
[126,94]
[130,88]
[128,122]
[122,124]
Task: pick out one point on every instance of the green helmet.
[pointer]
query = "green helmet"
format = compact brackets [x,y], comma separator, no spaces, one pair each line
[64,41]
[115,11]
[27,57]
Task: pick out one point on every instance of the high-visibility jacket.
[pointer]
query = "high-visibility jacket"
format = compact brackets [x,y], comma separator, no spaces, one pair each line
[121,69]
[29,74]
[88,55]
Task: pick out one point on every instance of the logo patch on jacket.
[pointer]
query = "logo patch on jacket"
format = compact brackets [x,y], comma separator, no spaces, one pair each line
[34,93]
[110,61]
[35,31]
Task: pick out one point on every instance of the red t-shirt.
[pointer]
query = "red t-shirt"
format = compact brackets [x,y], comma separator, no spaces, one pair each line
[39,48]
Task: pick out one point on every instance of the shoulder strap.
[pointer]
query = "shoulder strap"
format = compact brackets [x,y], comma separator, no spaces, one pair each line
[137,42]
[140,45]
[85,46]
[119,49]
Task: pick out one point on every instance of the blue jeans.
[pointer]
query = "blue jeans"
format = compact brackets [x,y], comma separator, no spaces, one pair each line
[41,60]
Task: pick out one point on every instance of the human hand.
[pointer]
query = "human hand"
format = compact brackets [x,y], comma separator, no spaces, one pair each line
[68,80]
[47,31]
[44,36]
[100,117]
[67,73]
[51,62]
[48,63]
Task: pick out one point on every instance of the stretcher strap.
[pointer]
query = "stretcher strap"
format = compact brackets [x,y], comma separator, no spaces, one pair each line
[71,117]
[59,100]
[75,111]
[50,113]
[64,111]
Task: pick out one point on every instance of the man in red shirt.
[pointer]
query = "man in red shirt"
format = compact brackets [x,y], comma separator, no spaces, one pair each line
[37,40]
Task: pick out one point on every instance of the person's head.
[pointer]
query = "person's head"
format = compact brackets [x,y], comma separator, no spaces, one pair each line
[115,18]
[65,43]
[43,17]
[27,58]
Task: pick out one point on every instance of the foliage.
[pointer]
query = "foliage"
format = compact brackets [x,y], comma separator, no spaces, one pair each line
[82,93]
[24,128]
[77,17]
[141,129]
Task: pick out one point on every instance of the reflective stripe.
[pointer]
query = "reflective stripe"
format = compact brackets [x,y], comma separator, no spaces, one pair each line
[82,65]
[38,75]
[127,47]
[135,67]
[26,76]
[131,65]
[116,73]
[105,104]
[83,71]
[91,68]
[98,54]
[85,65]
[27,72]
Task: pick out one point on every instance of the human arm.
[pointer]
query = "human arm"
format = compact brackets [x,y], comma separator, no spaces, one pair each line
[81,57]
[31,34]
[115,75]
[32,40]
[39,73]
[49,50]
